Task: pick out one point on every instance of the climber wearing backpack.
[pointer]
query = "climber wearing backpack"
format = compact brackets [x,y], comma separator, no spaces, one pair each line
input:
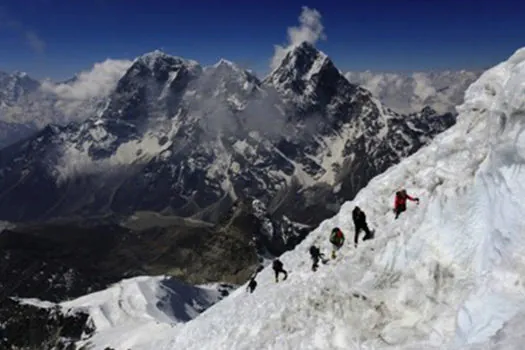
[359,218]
[278,268]
[316,254]
[400,204]
[337,238]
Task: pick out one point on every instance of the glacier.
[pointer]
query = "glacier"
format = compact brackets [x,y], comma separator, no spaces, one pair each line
[449,273]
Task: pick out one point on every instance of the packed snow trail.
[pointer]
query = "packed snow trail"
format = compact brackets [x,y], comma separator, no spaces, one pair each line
[448,274]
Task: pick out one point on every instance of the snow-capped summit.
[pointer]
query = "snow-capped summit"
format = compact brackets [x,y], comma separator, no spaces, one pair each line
[298,61]
[227,70]
[226,85]
[152,87]
[155,59]
[300,70]
[447,274]
[225,62]
[20,74]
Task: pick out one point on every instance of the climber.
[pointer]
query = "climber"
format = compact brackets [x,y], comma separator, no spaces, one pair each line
[278,268]
[400,204]
[251,285]
[316,254]
[359,218]
[337,238]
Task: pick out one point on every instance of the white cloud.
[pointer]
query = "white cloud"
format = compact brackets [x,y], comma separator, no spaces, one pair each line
[423,88]
[33,40]
[310,30]
[99,81]
[37,44]
[409,93]
[94,84]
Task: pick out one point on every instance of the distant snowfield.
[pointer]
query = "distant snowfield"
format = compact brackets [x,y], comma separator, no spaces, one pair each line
[449,273]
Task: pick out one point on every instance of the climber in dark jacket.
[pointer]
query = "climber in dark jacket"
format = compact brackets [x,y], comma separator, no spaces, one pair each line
[316,255]
[359,218]
[278,268]
[251,285]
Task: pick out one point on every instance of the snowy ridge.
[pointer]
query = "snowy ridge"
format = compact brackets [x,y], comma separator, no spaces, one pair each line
[144,303]
[447,274]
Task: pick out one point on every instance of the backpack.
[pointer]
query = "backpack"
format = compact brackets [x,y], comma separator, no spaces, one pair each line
[337,237]
[277,264]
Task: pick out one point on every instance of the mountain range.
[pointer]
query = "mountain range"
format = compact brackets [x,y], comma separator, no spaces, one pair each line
[28,105]
[184,140]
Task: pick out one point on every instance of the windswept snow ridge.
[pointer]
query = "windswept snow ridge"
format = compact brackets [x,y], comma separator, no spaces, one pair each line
[447,274]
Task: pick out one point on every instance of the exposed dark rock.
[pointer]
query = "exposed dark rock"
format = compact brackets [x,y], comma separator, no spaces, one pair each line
[26,327]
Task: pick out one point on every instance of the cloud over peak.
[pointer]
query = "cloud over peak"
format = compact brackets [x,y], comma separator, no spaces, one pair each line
[89,85]
[310,30]
[99,81]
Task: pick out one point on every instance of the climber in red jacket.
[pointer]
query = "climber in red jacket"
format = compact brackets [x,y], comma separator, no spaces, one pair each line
[400,204]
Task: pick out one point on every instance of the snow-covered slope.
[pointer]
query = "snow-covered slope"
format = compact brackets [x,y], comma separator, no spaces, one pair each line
[127,311]
[447,274]
[409,93]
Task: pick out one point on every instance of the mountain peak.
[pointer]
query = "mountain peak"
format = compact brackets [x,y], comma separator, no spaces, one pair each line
[305,71]
[155,54]
[306,48]
[151,59]
[225,62]
[230,70]
[20,74]
[300,63]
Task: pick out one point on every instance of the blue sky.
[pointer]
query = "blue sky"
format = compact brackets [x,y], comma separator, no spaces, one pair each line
[58,38]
